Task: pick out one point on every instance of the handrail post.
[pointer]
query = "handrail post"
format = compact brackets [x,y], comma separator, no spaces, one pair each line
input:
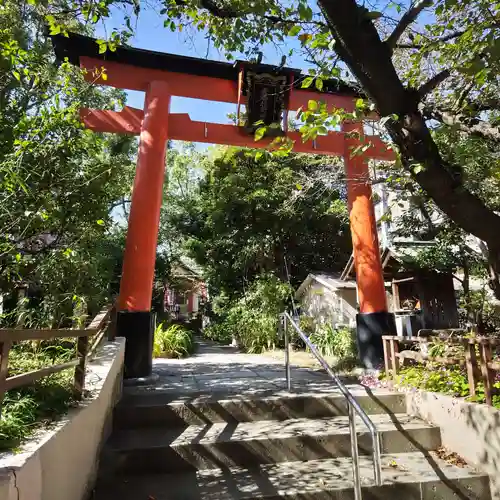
[287,354]
[353,407]
[82,346]
[377,459]
[354,453]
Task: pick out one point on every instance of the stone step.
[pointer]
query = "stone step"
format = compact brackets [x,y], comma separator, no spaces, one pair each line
[245,444]
[176,411]
[408,476]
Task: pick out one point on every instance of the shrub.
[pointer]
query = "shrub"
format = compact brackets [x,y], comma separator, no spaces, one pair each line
[442,379]
[218,332]
[340,343]
[176,341]
[252,318]
[26,409]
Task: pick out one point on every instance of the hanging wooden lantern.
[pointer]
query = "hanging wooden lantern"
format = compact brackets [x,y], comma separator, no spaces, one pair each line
[265,91]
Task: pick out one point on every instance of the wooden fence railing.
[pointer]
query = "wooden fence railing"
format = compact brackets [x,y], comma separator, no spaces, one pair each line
[88,340]
[477,358]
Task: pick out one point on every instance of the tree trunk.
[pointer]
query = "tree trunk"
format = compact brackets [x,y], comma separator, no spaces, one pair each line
[494,269]
[359,45]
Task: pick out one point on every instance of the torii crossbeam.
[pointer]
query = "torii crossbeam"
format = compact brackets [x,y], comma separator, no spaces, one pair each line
[268,93]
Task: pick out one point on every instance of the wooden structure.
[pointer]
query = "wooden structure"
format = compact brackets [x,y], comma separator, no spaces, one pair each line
[268,92]
[432,293]
[88,341]
[477,358]
[429,294]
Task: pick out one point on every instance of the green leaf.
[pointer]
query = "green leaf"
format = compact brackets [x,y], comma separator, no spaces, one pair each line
[18,257]
[100,222]
[294,31]
[298,187]
[307,82]
[259,133]
[305,12]
[318,83]
[312,105]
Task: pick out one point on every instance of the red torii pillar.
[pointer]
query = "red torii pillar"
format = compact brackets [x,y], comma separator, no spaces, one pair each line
[373,319]
[135,320]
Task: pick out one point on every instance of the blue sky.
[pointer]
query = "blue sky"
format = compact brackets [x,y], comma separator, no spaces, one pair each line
[151,34]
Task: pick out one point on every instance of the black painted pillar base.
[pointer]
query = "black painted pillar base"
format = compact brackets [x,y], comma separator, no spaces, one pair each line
[369,330]
[138,329]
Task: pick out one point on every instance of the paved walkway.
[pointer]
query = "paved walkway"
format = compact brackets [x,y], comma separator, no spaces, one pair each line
[223,369]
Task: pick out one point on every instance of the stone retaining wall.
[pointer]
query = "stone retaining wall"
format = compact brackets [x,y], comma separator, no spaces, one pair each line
[472,430]
[61,464]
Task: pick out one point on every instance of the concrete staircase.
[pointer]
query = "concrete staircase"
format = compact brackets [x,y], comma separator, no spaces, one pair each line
[279,446]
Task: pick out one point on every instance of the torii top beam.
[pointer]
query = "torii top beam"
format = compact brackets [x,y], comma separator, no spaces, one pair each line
[134,69]
[215,81]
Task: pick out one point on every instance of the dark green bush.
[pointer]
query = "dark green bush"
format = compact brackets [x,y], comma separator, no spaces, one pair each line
[175,341]
[26,409]
[340,342]
[253,318]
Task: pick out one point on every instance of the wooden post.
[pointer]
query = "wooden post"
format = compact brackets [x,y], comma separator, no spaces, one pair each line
[471,363]
[4,368]
[488,375]
[112,324]
[386,357]
[79,380]
[394,357]
[395,296]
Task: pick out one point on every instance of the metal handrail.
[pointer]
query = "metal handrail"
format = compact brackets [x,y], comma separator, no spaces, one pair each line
[353,407]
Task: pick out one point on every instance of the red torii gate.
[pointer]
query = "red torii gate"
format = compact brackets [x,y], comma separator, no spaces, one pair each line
[161,76]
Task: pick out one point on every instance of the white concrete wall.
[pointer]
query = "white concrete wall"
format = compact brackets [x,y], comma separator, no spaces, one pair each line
[469,429]
[61,464]
[327,306]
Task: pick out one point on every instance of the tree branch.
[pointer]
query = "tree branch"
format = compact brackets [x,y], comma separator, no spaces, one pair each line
[277,19]
[217,10]
[369,58]
[432,83]
[466,124]
[229,13]
[408,18]
[445,38]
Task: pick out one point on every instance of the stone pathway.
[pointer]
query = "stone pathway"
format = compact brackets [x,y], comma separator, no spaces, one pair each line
[223,369]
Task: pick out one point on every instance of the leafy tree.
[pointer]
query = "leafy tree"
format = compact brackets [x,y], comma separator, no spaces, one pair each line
[252,216]
[418,62]
[59,182]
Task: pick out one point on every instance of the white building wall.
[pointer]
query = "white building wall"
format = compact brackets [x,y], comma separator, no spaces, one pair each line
[328,306]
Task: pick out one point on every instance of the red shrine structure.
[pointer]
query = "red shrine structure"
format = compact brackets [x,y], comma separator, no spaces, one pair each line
[267,92]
